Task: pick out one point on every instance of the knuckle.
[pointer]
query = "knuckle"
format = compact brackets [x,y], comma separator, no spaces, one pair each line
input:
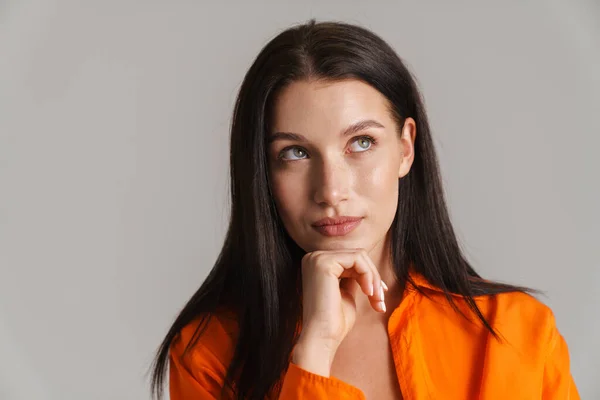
[322,266]
[316,261]
[309,257]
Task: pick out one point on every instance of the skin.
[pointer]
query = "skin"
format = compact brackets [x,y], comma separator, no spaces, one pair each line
[325,173]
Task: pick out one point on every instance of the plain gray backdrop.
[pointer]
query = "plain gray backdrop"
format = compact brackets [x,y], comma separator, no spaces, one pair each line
[114,120]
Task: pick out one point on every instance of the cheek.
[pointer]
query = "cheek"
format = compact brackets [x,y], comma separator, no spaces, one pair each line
[378,185]
[377,180]
[288,194]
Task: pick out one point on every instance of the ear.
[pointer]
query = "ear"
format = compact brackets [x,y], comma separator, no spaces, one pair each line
[407,146]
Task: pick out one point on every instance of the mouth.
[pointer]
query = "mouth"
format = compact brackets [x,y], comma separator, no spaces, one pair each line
[339,226]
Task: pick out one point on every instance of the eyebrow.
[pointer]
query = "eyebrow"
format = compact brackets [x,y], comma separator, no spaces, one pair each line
[354,128]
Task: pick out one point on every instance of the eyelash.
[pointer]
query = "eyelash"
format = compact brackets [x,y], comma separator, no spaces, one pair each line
[368,137]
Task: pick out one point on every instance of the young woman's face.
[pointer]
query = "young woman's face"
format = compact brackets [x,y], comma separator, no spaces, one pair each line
[335,151]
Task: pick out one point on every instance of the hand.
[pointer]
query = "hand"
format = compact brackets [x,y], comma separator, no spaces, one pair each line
[331,280]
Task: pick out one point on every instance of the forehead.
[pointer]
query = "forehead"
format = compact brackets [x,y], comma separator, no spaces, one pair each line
[306,106]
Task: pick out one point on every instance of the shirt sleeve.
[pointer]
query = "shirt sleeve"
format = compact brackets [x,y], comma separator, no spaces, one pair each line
[558,381]
[202,383]
[299,384]
[205,383]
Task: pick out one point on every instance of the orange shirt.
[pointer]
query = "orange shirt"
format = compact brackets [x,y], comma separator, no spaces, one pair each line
[438,354]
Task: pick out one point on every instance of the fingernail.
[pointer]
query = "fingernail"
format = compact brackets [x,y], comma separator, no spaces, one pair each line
[384,286]
[371,293]
[381,294]
[382,306]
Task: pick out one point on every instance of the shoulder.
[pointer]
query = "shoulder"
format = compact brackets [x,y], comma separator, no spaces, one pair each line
[514,312]
[216,336]
[517,306]
[520,319]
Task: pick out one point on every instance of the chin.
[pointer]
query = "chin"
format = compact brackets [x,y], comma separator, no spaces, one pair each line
[338,243]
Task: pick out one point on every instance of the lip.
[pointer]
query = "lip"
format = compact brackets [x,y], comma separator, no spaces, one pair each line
[339,226]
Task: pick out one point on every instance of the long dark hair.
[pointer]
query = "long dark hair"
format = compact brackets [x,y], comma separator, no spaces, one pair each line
[257,271]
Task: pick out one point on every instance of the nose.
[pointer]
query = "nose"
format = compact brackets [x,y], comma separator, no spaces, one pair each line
[331,182]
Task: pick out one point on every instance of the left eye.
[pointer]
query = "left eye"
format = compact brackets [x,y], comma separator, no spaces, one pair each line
[364,143]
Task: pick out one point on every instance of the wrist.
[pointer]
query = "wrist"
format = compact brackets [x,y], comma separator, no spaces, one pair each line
[314,357]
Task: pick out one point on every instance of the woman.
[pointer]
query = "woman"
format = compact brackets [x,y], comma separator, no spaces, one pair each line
[341,276]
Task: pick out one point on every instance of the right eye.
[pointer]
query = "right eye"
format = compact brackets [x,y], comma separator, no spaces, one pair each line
[290,153]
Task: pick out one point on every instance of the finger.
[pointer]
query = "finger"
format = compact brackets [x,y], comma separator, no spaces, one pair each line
[353,276]
[376,278]
[377,293]
[385,287]
[355,266]
[378,299]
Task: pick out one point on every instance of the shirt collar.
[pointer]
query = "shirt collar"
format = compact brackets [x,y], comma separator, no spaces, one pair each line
[420,282]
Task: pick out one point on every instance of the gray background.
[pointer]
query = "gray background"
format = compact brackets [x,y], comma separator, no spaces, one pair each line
[114,148]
